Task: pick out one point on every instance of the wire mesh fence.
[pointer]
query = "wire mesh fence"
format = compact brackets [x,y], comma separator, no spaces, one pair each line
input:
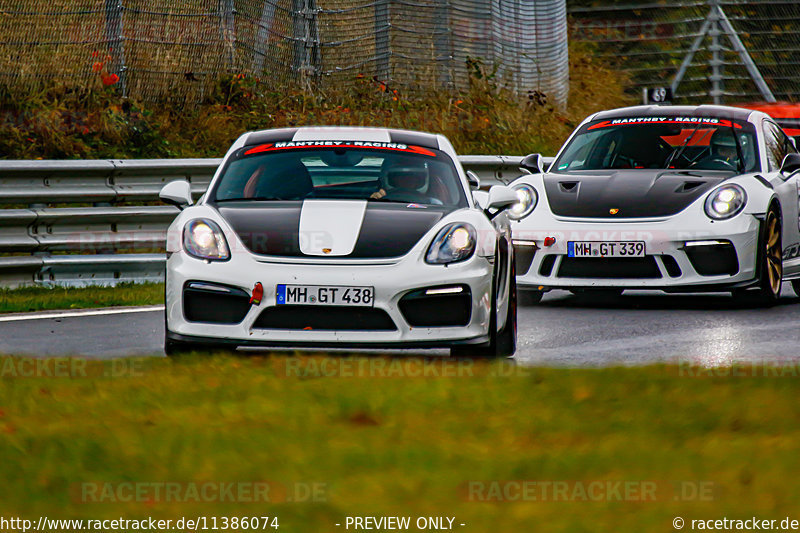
[179,48]
[649,40]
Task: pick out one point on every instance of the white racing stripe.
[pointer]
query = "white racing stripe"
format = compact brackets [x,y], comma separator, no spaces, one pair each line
[330,227]
[17,317]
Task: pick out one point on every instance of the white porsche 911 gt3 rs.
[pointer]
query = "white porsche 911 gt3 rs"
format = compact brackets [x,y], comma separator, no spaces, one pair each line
[341,237]
[691,199]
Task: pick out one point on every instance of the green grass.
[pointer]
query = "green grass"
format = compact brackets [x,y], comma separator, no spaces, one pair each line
[375,441]
[43,298]
[61,121]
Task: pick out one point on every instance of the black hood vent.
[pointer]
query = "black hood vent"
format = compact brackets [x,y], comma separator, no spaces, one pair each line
[629,193]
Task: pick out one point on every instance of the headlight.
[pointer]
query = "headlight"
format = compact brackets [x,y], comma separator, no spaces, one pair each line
[527,201]
[725,202]
[453,243]
[203,239]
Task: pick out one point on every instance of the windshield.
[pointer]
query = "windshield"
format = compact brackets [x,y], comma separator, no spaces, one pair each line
[348,170]
[686,143]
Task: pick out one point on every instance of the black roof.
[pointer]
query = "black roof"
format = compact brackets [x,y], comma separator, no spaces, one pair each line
[715,111]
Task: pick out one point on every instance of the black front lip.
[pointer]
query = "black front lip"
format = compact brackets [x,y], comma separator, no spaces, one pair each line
[711,287]
[482,339]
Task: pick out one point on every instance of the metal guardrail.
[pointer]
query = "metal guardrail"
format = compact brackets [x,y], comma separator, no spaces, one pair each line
[107,226]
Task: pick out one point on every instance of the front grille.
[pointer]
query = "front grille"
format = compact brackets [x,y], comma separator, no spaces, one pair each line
[437,310]
[324,317]
[713,259]
[609,268]
[213,303]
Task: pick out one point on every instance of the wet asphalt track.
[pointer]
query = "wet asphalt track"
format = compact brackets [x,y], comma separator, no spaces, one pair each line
[635,328]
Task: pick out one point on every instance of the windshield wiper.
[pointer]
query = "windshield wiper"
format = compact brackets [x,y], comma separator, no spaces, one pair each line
[676,153]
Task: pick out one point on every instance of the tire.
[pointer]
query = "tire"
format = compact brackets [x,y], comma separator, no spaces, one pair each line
[529,297]
[796,286]
[769,264]
[501,343]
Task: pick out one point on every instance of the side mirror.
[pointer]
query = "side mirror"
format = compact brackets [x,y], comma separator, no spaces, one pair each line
[501,198]
[474,180]
[177,193]
[533,163]
[791,163]
[481,198]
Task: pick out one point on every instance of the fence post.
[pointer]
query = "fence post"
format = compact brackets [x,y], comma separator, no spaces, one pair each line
[382,46]
[116,40]
[263,36]
[441,41]
[716,62]
[227,30]
[306,38]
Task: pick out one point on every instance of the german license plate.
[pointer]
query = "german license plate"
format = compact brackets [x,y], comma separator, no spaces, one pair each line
[325,295]
[605,249]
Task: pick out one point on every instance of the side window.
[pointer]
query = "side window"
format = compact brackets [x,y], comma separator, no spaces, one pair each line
[785,141]
[777,145]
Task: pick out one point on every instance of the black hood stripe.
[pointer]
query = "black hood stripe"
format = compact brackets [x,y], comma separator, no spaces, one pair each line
[388,230]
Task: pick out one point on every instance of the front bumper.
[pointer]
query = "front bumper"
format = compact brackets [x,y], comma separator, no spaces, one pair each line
[391,279]
[669,265]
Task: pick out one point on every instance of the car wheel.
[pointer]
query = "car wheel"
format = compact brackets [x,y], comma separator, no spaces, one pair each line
[796,286]
[501,343]
[769,257]
[529,297]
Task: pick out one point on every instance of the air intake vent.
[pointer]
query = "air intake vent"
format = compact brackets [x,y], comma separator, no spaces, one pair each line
[687,186]
[214,304]
[568,186]
[546,267]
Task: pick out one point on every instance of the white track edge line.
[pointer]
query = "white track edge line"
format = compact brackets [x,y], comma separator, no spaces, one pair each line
[80,312]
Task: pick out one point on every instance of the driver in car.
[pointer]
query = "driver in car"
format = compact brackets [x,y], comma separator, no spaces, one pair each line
[724,155]
[403,181]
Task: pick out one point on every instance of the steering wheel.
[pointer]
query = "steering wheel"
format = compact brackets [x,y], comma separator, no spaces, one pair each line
[405,195]
[715,163]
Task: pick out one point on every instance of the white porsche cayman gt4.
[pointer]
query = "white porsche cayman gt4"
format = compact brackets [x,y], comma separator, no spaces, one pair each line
[692,199]
[357,237]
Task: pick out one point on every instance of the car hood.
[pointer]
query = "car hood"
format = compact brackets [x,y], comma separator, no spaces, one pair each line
[627,193]
[330,228]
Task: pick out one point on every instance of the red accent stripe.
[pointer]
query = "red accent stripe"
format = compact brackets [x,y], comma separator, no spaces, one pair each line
[722,123]
[271,148]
